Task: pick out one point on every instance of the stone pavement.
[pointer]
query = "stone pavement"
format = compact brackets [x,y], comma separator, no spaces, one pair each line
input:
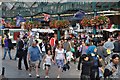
[11,70]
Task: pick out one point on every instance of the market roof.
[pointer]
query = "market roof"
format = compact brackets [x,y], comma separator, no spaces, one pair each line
[12,9]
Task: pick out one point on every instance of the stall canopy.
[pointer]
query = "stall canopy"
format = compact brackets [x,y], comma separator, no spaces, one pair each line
[43,30]
[111,30]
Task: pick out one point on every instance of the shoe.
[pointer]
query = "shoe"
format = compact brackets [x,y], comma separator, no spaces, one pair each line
[58,76]
[3,58]
[11,59]
[19,69]
[30,75]
[37,76]
[77,69]
[27,69]
[46,76]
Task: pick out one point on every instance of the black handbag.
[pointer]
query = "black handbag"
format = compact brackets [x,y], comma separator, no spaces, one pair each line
[65,67]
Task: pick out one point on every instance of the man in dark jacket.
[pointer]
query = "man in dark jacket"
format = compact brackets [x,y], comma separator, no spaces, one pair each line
[86,67]
[21,54]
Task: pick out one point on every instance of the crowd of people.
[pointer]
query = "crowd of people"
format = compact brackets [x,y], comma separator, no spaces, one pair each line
[96,60]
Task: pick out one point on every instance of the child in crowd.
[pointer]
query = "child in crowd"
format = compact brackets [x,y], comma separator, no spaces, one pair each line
[47,61]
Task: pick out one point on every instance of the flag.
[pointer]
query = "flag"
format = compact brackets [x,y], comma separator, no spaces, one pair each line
[46,17]
[2,21]
[18,20]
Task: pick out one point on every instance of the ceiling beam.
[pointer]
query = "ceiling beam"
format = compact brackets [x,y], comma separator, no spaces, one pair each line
[52,8]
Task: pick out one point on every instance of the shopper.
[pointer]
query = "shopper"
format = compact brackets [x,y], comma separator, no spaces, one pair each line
[86,67]
[33,57]
[18,38]
[82,50]
[22,53]
[92,52]
[112,71]
[37,43]
[7,41]
[47,61]
[59,58]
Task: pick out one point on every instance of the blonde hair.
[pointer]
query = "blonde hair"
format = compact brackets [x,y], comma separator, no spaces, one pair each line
[58,46]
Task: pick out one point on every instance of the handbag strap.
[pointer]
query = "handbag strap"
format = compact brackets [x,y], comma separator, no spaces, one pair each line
[70,45]
[81,48]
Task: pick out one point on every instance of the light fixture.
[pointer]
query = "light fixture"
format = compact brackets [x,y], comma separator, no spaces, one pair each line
[0,3]
[108,14]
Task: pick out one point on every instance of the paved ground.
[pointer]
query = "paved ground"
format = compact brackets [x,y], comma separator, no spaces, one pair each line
[12,72]
[0,60]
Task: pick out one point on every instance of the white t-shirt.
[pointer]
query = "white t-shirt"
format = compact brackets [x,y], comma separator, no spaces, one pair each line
[48,59]
[43,47]
[59,53]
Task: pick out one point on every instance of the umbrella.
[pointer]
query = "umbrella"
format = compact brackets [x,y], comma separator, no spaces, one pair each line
[79,15]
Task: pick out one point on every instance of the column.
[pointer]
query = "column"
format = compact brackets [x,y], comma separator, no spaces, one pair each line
[1,52]
[58,30]
[95,14]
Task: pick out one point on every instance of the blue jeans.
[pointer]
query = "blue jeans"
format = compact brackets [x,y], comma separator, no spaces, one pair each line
[5,52]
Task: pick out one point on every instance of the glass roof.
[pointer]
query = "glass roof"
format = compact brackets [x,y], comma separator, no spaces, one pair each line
[11,9]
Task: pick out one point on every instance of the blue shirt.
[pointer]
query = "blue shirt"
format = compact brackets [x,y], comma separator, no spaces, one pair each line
[34,53]
[6,43]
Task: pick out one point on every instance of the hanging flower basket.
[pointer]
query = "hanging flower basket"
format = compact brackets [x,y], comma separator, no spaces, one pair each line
[95,21]
[32,24]
[59,24]
[85,22]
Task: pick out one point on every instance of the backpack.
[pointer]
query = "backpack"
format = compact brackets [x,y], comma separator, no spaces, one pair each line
[94,59]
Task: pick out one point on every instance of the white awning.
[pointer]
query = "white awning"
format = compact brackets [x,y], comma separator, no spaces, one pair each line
[43,30]
[80,30]
[111,30]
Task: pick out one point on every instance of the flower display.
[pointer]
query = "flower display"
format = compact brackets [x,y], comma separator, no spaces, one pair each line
[95,21]
[32,24]
[27,25]
[59,23]
[85,22]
